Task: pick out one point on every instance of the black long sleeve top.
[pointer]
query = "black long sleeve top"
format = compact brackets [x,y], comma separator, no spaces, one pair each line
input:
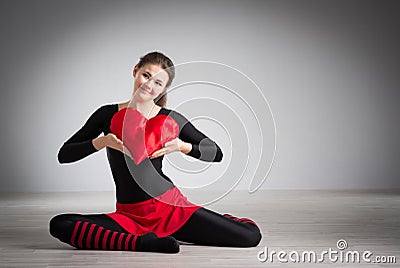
[135,183]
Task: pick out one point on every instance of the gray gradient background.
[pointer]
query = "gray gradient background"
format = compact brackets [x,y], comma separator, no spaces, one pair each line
[330,70]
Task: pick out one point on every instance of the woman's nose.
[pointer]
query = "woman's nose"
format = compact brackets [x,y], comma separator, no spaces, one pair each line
[150,83]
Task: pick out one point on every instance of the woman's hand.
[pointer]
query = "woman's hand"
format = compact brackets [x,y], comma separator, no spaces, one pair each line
[112,141]
[172,146]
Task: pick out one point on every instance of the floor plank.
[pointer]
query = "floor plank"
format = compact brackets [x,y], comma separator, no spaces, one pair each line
[289,220]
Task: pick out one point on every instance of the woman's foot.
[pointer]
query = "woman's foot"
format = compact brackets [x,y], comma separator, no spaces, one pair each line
[150,242]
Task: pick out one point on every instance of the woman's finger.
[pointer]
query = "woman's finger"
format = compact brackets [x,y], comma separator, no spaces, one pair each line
[168,143]
[118,140]
[158,153]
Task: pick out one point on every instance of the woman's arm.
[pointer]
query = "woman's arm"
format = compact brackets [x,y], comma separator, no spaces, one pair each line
[202,147]
[84,142]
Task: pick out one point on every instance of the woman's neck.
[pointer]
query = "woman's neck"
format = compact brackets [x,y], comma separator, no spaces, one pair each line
[145,108]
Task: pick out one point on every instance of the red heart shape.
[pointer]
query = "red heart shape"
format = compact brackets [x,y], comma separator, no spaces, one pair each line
[142,136]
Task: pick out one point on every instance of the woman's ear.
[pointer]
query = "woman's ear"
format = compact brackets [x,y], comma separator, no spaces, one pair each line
[135,69]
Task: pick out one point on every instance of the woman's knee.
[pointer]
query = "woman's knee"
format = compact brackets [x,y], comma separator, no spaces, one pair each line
[252,238]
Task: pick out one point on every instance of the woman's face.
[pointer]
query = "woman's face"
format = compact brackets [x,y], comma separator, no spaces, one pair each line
[150,81]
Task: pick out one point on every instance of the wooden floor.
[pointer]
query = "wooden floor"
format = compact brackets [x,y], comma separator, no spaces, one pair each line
[289,220]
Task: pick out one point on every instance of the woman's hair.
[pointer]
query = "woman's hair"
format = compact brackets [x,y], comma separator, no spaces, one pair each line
[164,62]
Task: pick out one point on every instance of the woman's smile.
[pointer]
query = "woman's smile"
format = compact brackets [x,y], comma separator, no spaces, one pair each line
[147,90]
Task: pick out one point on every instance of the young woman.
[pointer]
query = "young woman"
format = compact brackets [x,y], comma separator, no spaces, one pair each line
[151,213]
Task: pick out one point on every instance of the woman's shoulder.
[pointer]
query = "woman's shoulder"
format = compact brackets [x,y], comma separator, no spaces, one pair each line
[176,115]
[168,111]
[105,110]
[108,107]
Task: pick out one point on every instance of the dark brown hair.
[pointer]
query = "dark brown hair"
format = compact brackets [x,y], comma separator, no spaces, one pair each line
[164,62]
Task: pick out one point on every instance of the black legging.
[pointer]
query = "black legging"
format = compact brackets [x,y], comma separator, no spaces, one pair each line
[204,227]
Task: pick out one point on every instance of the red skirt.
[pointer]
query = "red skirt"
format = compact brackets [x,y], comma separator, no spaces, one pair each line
[162,215]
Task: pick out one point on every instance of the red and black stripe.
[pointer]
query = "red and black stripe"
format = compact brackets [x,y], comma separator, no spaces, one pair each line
[92,236]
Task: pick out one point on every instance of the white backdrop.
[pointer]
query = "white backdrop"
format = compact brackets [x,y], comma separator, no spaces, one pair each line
[330,71]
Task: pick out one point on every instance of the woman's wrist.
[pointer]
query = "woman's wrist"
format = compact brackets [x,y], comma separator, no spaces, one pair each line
[185,147]
[99,143]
